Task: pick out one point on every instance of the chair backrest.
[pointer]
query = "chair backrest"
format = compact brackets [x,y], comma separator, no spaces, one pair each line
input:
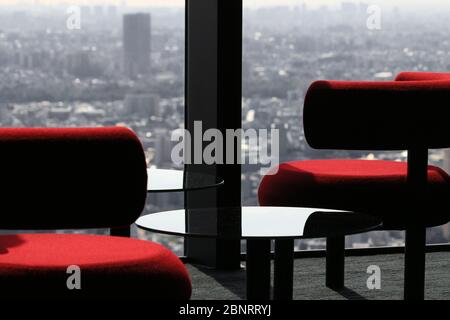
[409,113]
[71,178]
[422,76]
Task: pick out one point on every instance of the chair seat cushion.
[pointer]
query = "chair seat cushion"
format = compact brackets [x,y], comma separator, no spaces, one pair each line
[377,187]
[111,267]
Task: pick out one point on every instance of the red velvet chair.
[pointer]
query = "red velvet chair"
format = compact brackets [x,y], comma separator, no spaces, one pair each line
[406,114]
[79,179]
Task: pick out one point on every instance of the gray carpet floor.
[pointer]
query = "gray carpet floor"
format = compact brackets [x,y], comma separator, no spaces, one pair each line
[309,280]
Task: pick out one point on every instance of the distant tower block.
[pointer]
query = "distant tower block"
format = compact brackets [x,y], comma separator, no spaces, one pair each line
[143,105]
[136,43]
[447,160]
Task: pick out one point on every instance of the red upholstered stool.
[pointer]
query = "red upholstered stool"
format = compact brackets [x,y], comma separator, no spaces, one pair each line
[404,114]
[35,266]
[378,187]
[79,179]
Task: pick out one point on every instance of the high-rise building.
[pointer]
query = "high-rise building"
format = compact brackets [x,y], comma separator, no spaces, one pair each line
[163,147]
[136,43]
[81,65]
[78,63]
[447,160]
[142,105]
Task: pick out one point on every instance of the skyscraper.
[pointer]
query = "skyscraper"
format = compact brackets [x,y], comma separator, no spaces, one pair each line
[447,160]
[136,43]
[143,105]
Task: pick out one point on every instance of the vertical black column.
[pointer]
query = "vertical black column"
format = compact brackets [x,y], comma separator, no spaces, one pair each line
[258,269]
[415,240]
[213,96]
[284,269]
[335,262]
[415,236]
[120,232]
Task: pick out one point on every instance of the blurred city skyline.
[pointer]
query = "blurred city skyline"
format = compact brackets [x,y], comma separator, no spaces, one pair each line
[247,3]
[54,76]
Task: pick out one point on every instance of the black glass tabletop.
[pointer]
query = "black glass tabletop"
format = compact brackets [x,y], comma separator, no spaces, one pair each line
[161,180]
[258,222]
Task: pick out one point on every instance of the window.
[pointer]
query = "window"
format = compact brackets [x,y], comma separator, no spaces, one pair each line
[289,46]
[78,63]
[97,63]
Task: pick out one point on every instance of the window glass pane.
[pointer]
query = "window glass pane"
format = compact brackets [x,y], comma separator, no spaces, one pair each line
[82,63]
[289,44]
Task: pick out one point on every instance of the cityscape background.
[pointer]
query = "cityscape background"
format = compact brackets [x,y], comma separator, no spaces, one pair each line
[125,66]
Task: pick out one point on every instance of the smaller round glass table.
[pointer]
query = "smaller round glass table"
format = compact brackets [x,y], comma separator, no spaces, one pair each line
[164,181]
[260,225]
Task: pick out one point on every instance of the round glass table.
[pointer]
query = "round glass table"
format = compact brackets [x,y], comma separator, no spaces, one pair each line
[258,226]
[164,181]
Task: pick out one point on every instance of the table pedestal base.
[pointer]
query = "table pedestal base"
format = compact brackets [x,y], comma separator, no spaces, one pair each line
[284,270]
[335,262]
[258,269]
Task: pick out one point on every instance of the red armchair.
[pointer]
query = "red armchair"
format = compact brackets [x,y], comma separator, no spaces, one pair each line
[79,179]
[406,114]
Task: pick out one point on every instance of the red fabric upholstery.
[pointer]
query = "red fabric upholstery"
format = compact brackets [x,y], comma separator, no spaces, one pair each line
[79,178]
[35,265]
[377,187]
[422,76]
[393,115]
[71,178]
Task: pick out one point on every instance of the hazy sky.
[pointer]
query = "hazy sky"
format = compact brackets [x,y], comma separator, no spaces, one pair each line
[177,3]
